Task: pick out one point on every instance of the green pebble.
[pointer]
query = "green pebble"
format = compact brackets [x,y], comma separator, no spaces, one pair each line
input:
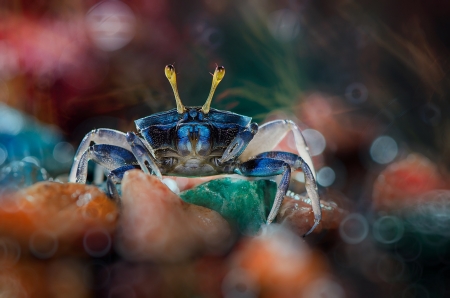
[244,204]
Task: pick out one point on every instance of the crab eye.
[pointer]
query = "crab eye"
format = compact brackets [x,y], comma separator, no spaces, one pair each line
[170,161]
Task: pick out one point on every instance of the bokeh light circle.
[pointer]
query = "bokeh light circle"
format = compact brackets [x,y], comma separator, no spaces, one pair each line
[326,176]
[3,154]
[284,25]
[354,228]
[111,25]
[383,150]
[390,269]
[9,251]
[388,229]
[43,245]
[315,141]
[63,152]
[11,121]
[239,284]
[430,114]
[97,242]
[356,93]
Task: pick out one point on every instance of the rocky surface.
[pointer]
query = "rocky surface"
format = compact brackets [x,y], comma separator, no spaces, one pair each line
[155,224]
[51,218]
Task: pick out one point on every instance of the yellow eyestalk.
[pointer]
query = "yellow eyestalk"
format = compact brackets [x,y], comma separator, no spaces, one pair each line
[169,70]
[219,73]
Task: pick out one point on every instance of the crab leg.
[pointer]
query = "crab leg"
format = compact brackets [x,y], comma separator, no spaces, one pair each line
[115,177]
[108,156]
[297,162]
[142,154]
[98,136]
[270,134]
[264,167]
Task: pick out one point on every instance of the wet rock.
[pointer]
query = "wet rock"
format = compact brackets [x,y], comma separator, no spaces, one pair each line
[402,182]
[156,224]
[298,214]
[244,204]
[275,264]
[52,218]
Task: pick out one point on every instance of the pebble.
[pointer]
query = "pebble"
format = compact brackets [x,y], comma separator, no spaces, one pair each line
[403,182]
[276,263]
[155,224]
[244,204]
[51,218]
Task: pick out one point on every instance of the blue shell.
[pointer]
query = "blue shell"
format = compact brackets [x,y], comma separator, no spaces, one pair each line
[160,130]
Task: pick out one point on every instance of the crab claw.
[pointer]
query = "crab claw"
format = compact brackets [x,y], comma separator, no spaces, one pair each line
[237,146]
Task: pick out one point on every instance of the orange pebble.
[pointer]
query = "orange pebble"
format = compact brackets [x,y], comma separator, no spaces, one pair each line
[49,218]
[275,264]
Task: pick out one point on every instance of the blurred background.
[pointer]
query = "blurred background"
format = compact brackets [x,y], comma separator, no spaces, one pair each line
[366,81]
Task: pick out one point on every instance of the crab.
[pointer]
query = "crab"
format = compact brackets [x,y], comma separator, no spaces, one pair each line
[199,141]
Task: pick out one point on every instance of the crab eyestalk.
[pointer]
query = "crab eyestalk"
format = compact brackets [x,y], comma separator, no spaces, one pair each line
[169,70]
[219,73]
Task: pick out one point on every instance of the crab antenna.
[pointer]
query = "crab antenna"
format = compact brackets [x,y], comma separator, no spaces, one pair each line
[218,75]
[169,70]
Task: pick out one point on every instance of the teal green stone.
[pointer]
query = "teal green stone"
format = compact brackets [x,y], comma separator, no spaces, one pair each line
[244,204]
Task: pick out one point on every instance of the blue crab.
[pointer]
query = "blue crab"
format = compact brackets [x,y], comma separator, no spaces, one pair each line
[199,141]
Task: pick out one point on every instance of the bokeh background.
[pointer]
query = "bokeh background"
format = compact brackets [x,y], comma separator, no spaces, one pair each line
[366,81]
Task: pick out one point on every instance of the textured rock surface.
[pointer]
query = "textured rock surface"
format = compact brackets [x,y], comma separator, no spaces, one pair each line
[52,218]
[156,224]
[298,215]
[245,204]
